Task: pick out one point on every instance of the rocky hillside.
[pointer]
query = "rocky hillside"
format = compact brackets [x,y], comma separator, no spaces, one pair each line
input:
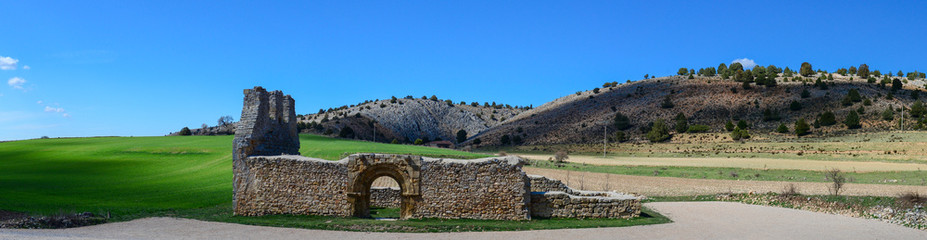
[584,116]
[408,119]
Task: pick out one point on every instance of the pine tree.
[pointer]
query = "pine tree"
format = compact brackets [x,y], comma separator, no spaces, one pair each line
[806,69]
[801,127]
[852,120]
[659,132]
[682,123]
[782,128]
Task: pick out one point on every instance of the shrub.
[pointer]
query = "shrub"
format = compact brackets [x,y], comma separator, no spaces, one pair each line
[837,180]
[620,136]
[801,127]
[853,94]
[622,122]
[790,190]
[867,102]
[911,199]
[185,131]
[739,134]
[682,71]
[659,132]
[477,141]
[729,126]
[827,119]
[394,141]
[805,93]
[795,105]
[461,136]
[419,141]
[699,128]
[560,158]
[667,102]
[682,123]
[782,128]
[888,114]
[346,132]
[896,85]
[770,115]
[505,139]
[918,109]
[852,120]
[434,98]
[742,124]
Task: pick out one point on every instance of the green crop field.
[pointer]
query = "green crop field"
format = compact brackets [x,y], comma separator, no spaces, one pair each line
[130,175]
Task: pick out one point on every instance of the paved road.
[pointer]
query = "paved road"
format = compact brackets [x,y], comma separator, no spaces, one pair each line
[692,220]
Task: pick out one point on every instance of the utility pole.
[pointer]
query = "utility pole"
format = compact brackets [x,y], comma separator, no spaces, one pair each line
[605,141]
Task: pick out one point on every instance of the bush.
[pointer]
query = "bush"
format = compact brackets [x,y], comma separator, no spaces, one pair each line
[620,136]
[852,120]
[346,132]
[863,71]
[419,141]
[477,141]
[659,132]
[896,85]
[739,134]
[837,180]
[461,136]
[888,114]
[682,123]
[729,126]
[560,158]
[699,128]
[801,127]
[667,102]
[394,141]
[742,124]
[782,128]
[918,109]
[185,131]
[854,96]
[505,139]
[795,105]
[622,122]
[805,93]
[827,118]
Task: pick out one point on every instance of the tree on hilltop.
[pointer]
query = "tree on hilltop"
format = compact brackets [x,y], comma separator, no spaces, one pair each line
[806,69]
[863,71]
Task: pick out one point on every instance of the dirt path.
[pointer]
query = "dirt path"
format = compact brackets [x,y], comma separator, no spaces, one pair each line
[670,186]
[692,220]
[754,163]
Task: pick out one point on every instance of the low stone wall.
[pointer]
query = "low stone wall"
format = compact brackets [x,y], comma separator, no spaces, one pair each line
[292,184]
[544,184]
[385,197]
[563,205]
[487,188]
[550,198]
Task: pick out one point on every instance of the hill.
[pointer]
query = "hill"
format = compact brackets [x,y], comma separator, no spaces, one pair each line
[408,119]
[583,117]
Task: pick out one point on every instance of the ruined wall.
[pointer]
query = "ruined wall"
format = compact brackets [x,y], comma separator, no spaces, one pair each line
[385,197]
[293,185]
[544,184]
[271,178]
[488,188]
[550,198]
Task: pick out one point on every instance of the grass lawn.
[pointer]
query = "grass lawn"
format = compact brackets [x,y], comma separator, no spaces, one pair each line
[191,177]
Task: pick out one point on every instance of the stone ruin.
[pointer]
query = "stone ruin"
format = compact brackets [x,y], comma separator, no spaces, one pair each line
[270,177]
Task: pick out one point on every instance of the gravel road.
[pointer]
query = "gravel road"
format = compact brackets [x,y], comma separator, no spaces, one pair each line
[692,220]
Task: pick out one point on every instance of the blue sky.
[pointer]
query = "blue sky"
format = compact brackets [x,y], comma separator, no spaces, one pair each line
[131,68]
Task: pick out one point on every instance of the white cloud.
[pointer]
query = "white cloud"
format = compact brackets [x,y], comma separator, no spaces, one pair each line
[26,67]
[7,63]
[16,82]
[746,62]
[39,102]
[66,115]
[53,109]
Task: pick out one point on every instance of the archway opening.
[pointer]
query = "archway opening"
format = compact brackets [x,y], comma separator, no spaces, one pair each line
[385,198]
[386,175]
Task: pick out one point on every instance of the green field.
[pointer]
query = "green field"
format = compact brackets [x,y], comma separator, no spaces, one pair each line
[128,175]
[191,176]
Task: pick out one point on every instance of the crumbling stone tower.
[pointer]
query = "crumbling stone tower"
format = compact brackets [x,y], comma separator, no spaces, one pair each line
[267,127]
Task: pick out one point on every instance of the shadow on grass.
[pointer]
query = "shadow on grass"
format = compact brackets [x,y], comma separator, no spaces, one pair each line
[223,213]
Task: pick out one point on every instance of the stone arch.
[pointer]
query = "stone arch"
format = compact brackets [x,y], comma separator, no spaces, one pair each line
[363,169]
